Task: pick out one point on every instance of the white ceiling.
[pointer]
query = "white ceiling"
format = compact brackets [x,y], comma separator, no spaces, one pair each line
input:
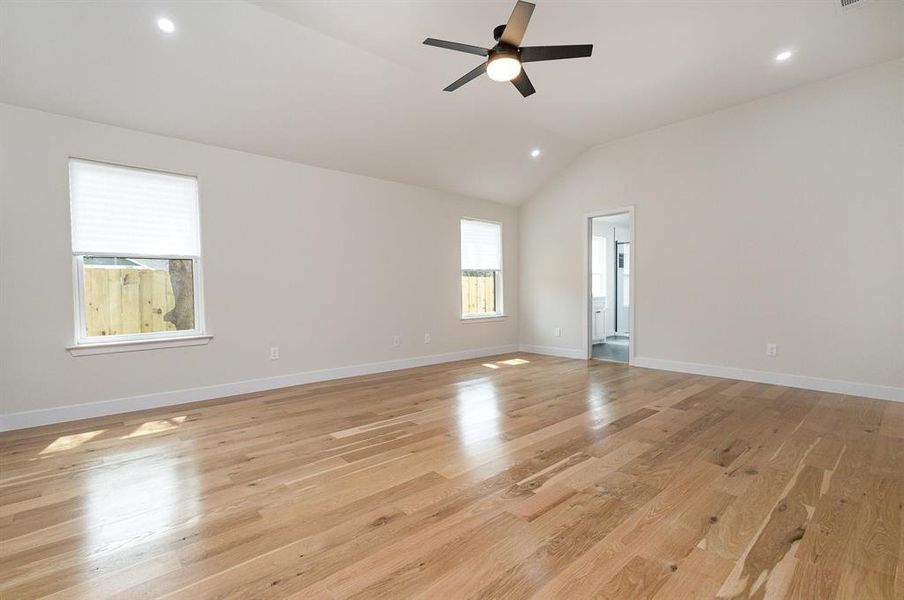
[348,85]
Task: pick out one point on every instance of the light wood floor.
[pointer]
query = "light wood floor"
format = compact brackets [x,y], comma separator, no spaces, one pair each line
[552,478]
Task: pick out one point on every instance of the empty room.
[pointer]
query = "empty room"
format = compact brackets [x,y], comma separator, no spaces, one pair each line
[440,299]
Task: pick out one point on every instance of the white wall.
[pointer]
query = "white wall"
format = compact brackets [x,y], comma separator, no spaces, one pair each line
[752,225]
[326,265]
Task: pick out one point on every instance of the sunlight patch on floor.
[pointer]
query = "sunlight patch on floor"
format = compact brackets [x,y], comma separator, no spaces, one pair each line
[510,362]
[514,361]
[155,427]
[68,442]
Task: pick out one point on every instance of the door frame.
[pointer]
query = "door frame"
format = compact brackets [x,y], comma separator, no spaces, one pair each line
[587,226]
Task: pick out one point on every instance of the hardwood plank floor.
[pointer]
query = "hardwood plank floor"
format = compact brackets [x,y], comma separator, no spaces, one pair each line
[508,477]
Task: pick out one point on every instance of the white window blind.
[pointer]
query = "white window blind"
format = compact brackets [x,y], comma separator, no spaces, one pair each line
[481,246]
[125,211]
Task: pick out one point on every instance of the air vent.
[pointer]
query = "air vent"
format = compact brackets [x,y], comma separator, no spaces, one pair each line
[847,5]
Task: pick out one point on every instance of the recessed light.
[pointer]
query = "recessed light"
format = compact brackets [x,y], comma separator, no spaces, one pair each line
[165,25]
[783,56]
[535,152]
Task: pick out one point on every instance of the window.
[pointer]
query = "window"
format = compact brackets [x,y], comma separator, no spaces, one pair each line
[598,266]
[481,269]
[624,262]
[136,253]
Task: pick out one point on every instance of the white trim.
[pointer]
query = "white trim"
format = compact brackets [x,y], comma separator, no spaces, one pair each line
[81,333]
[61,414]
[112,163]
[483,318]
[136,345]
[837,386]
[132,256]
[553,351]
[586,295]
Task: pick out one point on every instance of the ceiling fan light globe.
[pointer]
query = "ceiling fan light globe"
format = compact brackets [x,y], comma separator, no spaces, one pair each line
[503,68]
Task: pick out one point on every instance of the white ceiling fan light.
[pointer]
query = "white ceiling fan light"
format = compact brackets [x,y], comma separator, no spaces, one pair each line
[166,25]
[535,153]
[503,67]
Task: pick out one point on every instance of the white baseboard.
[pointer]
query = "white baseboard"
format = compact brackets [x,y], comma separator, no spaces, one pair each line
[62,414]
[867,390]
[34,418]
[554,351]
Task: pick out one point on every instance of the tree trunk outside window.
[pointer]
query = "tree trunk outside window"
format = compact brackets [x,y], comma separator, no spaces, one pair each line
[183,313]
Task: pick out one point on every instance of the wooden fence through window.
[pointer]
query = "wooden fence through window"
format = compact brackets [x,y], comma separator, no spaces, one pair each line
[127,300]
[478,292]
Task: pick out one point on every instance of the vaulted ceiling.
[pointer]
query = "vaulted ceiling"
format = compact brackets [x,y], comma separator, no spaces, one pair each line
[348,85]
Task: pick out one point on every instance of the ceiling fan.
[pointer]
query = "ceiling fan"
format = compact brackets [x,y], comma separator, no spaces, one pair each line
[504,59]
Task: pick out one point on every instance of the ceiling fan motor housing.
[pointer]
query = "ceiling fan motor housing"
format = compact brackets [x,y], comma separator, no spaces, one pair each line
[503,52]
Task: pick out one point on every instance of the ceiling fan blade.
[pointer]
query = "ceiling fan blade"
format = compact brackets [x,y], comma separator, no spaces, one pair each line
[522,82]
[517,24]
[538,53]
[456,46]
[472,74]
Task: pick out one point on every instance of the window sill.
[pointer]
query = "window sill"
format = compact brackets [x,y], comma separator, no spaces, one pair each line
[136,345]
[484,319]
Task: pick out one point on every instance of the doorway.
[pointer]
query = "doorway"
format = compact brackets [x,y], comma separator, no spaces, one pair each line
[610,286]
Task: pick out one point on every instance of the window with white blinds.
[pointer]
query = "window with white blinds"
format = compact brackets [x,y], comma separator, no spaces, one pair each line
[136,252]
[481,268]
[125,211]
[481,245]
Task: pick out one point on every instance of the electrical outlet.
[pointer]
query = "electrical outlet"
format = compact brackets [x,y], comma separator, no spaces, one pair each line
[771,350]
[274,353]
[396,341]
[426,338]
[558,332]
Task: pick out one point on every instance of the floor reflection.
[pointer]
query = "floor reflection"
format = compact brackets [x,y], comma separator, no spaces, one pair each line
[142,495]
[596,396]
[478,415]
[598,399]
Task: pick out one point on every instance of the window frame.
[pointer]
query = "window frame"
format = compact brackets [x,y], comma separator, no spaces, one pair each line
[497,279]
[602,264]
[129,341]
